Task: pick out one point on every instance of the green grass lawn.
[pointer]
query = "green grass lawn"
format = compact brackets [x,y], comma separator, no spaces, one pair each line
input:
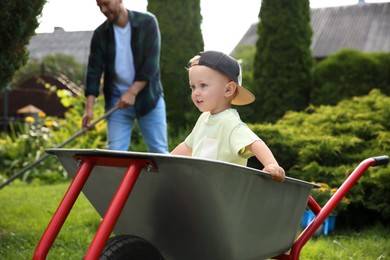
[25,211]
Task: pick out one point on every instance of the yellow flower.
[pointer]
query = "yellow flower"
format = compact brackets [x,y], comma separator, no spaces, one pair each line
[29,119]
[49,123]
[41,114]
[323,184]
[323,194]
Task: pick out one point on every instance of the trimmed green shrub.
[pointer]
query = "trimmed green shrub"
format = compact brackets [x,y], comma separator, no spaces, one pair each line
[349,73]
[325,144]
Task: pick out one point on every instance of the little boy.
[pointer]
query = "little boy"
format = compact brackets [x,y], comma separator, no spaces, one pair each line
[219,134]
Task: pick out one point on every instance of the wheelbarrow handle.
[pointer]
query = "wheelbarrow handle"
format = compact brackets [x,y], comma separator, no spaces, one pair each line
[324,212]
[381,160]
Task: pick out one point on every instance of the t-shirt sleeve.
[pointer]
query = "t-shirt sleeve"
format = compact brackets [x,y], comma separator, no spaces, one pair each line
[189,140]
[241,137]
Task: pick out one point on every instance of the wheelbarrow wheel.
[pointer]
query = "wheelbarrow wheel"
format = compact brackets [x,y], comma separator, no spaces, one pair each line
[130,247]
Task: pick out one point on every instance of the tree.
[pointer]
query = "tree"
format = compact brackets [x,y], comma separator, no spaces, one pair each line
[18,24]
[283,59]
[181,39]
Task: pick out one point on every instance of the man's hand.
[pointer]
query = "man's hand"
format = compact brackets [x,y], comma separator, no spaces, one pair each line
[126,100]
[87,118]
[88,112]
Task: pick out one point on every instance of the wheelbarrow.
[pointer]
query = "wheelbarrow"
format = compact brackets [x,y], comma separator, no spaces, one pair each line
[188,208]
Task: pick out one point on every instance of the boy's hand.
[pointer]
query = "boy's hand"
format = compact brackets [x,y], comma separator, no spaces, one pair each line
[277,172]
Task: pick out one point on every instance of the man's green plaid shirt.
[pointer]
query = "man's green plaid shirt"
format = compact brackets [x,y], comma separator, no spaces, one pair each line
[145,44]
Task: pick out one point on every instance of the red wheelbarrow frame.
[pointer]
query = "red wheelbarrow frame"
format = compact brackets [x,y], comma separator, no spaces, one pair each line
[322,213]
[134,167]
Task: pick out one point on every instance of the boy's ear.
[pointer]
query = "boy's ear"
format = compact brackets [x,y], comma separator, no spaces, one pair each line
[230,89]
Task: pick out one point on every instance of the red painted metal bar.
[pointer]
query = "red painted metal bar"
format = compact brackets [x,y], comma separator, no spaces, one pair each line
[313,205]
[63,210]
[322,214]
[114,210]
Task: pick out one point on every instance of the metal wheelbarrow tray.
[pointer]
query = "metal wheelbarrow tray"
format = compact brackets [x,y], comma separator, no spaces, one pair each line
[190,208]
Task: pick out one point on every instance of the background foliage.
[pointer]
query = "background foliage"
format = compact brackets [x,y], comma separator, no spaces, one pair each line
[325,143]
[28,141]
[245,54]
[349,73]
[18,24]
[283,60]
[182,39]
[52,64]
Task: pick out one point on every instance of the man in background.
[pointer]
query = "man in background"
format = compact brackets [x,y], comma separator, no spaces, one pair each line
[126,48]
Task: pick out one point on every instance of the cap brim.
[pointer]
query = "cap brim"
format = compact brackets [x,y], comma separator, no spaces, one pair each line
[243,97]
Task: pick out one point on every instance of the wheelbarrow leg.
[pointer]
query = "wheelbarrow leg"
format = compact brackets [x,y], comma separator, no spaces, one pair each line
[63,210]
[114,210]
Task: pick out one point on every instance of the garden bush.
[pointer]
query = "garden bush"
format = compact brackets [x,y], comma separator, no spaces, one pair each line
[25,145]
[27,141]
[349,73]
[324,144]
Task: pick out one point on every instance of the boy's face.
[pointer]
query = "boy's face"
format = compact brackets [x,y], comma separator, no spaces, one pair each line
[210,91]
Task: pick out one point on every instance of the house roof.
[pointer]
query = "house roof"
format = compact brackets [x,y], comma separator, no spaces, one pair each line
[33,91]
[365,27]
[74,44]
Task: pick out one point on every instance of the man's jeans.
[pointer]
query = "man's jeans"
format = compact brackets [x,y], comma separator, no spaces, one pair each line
[153,127]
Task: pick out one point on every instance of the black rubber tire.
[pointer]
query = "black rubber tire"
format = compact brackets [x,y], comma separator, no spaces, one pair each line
[125,247]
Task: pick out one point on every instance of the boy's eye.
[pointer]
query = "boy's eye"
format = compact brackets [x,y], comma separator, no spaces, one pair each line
[201,86]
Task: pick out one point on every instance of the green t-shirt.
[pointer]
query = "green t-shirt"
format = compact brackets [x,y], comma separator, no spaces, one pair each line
[222,136]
